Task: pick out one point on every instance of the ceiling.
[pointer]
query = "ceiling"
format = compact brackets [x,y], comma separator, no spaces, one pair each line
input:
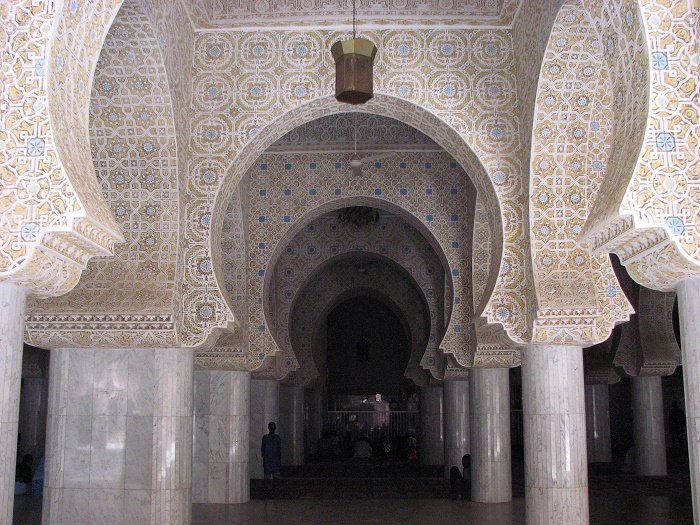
[338,13]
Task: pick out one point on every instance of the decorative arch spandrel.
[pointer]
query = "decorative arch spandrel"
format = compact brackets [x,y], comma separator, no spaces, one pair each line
[649,213]
[52,210]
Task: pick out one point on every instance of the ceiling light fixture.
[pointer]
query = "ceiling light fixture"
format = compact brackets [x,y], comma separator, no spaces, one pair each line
[354,59]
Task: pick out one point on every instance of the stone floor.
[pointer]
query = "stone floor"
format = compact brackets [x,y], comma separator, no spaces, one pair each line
[629,510]
[616,498]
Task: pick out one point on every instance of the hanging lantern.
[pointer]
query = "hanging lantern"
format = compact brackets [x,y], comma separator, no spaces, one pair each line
[354,60]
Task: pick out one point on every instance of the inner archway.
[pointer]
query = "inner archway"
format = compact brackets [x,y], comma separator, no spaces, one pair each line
[367,350]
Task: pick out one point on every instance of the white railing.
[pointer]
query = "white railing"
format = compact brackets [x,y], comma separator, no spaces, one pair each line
[394,425]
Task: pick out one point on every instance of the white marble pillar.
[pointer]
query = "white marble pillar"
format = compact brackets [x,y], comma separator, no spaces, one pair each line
[649,429]
[554,419]
[264,408]
[689,313]
[119,437]
[431,445]
[456,421]
[291,424]
[13,300]
[490,441]
[221,437]
[598,423]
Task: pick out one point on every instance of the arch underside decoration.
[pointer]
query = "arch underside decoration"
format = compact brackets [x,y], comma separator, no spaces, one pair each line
[258,113]
[338,282]
[293,194]
[648,212]
[458,86]
[579,298]
[392,238]
[126,300]
[51,209]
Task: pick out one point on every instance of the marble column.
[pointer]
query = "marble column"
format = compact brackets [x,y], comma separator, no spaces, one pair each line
[598,423]
[291,424]
[689,312]
[489,393]
[119,437]
[554,419]
[456,415]
[13,300]
[649,429]
[264,407]
[221,437]
[431,445]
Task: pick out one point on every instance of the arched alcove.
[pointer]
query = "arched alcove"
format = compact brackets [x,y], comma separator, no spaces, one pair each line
[367,348]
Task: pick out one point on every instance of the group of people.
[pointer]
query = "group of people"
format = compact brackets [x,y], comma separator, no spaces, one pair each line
[271,450]
[332,446]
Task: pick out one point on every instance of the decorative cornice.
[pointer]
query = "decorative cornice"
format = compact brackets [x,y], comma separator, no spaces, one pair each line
[652,256]
[621,237]
[494,349]
[497,357]
[54,265]
[123,338]
[453,371]
[601,377]
[98,322]
[338,13]
[214,361]
[658,369]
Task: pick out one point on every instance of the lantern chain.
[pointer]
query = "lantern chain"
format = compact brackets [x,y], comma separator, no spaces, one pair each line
[354,20]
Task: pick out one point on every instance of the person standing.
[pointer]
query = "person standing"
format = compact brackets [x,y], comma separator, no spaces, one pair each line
[272,452]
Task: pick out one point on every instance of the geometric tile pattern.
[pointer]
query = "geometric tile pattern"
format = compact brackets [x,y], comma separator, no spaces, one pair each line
[134,152]
[53,219]
[665,189]
[651,50]
[238,101]
[325,240]
[234,92]
[579,300]
[287,190]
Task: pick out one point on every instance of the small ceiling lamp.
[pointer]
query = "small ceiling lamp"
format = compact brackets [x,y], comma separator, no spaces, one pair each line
[354,59]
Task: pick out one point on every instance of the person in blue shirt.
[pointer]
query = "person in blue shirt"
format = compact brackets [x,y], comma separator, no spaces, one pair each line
[272,452]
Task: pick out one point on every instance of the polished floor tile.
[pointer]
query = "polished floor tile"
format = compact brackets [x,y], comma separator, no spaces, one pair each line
[354,512]
[618,510]
[632,510]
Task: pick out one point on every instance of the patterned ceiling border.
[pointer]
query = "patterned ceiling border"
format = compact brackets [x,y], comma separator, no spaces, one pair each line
[314,14]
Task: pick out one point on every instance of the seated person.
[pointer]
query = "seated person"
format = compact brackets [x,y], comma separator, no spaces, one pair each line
[467,476]
[326,446]
[23,475]
[363,448]
[456,483]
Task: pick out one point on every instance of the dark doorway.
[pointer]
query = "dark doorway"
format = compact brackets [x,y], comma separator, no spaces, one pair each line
[368,349]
